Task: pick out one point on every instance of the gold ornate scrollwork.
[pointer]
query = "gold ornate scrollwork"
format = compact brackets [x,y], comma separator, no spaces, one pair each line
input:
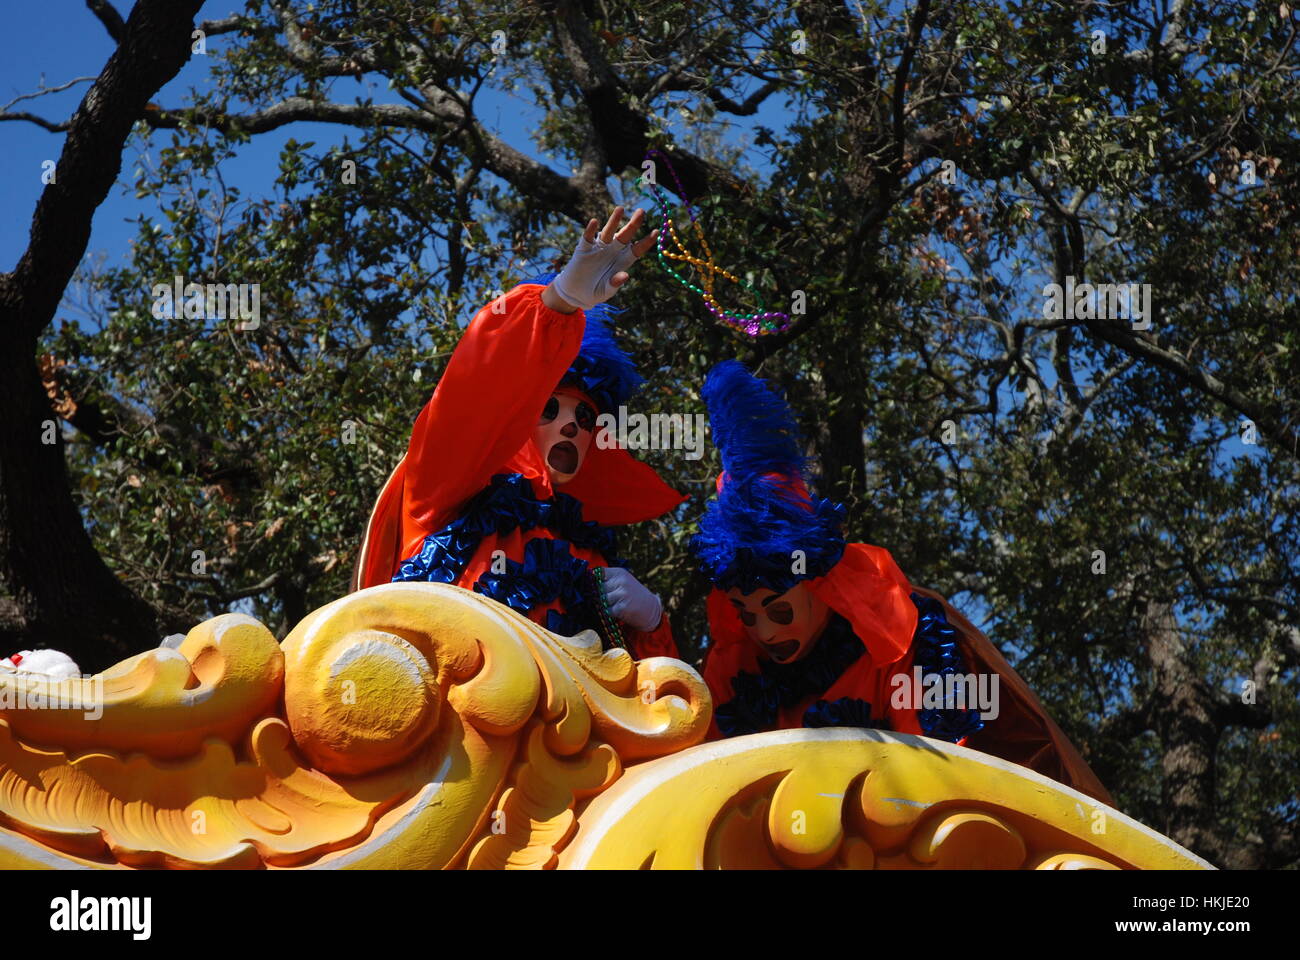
[410,725]
[857,799]
[417,725]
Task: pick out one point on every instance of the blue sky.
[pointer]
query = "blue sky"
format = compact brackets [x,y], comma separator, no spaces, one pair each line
[53,49]
[56,42]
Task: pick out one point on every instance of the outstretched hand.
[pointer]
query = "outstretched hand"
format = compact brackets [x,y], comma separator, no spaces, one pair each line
[630,601]
[598,266]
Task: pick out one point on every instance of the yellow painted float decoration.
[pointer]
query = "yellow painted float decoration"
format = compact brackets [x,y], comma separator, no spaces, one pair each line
[421,726]
[855,799]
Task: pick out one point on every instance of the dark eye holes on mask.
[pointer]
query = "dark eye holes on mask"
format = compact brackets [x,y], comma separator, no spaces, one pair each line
[583,414]
[780,613]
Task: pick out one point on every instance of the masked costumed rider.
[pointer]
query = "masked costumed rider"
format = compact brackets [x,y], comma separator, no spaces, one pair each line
[807,630]
[503,489]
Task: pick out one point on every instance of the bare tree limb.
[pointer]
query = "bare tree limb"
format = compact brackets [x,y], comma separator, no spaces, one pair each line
[109,17]
[1272,424]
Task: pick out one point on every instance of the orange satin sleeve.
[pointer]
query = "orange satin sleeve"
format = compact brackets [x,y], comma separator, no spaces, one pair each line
[485,407]
[658,642]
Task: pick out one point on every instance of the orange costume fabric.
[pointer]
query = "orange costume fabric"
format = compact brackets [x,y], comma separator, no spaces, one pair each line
[867,588]
[479,425]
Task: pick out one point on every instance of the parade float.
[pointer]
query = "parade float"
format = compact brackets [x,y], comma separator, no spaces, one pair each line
[421,725]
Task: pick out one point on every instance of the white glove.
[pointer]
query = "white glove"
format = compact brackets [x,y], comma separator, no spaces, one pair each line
[630,601]
[584,281]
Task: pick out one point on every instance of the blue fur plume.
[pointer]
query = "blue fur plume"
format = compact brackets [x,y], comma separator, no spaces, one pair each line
[758,532]
[602,370]
[751,423]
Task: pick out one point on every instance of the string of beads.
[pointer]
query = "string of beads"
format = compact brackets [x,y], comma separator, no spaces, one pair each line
[762,323]
[608,622]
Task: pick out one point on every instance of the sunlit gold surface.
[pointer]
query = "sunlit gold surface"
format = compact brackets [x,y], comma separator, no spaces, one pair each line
[417,726]
[862,799]
[380,734]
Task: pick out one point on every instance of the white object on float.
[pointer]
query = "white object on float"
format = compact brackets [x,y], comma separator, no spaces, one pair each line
[51,663]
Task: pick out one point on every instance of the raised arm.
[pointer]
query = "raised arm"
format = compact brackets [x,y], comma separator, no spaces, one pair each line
[510,359]
[507,363]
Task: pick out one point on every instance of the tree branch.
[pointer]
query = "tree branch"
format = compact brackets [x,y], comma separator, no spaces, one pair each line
[155,44]
[1274,426]
[751,103]
[918,18]
[109,17]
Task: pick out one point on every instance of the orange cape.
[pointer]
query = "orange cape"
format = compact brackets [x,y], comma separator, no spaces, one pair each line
[613,486]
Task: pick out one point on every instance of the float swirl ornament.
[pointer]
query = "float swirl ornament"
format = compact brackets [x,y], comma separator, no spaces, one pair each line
[410,725]
[855,799]
[418,725]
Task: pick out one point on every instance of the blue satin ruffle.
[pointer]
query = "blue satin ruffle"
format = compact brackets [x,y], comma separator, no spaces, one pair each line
[505,505]
[935,642]
[754,706]
[549,572]
[844,712]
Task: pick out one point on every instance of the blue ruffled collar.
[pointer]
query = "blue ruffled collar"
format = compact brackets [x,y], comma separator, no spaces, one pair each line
[760,696]
[507,503]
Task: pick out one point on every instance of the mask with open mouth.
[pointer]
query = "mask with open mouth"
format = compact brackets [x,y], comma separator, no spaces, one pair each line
[784,625]
[564,432]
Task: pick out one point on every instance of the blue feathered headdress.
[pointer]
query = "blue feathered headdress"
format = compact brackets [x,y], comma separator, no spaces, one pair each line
[601,370]
[763,514]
